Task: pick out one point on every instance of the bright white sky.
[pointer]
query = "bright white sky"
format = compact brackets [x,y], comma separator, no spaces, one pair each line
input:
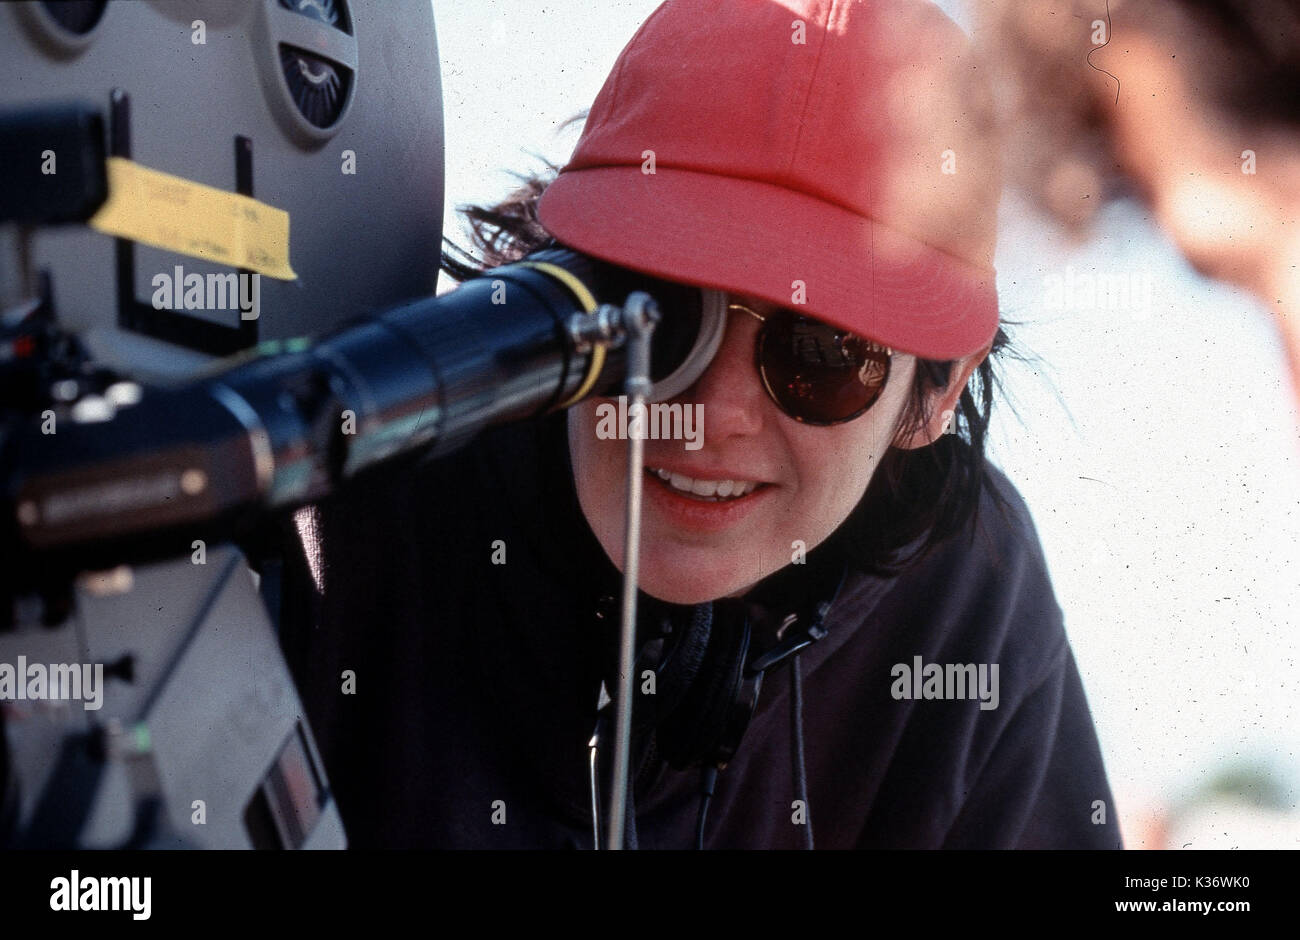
[1177,560]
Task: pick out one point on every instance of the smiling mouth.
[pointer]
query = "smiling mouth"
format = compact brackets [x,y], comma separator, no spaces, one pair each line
[706,491]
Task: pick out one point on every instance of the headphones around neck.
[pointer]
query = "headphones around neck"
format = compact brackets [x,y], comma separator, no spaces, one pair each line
[708,676]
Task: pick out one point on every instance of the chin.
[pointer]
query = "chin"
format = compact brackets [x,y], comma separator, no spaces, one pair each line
[677,593]
[685,582]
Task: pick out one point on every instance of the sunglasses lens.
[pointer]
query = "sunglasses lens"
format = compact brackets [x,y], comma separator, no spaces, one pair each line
[818,373]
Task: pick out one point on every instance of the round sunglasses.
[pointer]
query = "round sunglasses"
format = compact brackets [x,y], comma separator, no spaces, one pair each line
[815,372]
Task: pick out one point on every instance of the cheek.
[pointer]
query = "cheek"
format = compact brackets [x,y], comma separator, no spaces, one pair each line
[585,452]
[835,466]
[832,478]
[599,470]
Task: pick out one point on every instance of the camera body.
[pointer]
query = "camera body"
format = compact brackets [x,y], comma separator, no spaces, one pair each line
[183,726]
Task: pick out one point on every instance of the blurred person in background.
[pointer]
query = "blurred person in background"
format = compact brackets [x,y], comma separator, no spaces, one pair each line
[1193,106]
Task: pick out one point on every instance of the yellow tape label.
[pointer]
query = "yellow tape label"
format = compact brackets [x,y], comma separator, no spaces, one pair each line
[179,215]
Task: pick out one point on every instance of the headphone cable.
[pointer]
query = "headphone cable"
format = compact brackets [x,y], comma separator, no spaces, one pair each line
[708,777]
[796,728]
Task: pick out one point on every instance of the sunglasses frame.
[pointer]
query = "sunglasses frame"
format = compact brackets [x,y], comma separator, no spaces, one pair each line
[767,385]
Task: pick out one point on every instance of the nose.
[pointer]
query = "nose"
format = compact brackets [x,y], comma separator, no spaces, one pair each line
[730,389]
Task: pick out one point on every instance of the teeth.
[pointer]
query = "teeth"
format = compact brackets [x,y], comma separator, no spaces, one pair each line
[713,490]
[704,487]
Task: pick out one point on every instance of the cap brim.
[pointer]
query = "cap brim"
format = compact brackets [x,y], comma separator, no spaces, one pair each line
[760,239]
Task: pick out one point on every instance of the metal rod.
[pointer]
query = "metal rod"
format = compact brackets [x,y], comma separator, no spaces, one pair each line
[640,316]
[594,761]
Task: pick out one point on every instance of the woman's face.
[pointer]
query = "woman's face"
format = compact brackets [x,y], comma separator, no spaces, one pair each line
[809,477]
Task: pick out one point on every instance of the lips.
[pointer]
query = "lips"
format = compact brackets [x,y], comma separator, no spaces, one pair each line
[694,504]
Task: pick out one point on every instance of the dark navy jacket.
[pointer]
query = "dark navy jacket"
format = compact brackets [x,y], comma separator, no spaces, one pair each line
[475,684]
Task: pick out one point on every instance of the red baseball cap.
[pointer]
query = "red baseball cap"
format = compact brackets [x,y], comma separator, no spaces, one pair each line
[836,157]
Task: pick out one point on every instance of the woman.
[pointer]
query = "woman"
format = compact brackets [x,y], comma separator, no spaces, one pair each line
[828,533]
